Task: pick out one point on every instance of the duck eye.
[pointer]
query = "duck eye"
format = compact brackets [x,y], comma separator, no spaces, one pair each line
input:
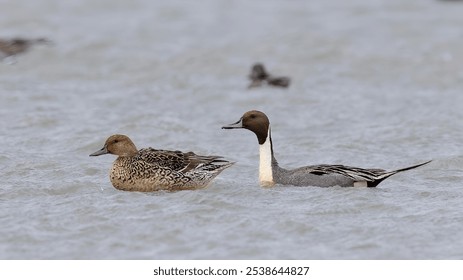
[115,141]
[253,116]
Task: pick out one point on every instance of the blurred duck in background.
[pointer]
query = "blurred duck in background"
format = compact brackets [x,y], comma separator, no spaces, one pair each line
[12,47]
[259,76]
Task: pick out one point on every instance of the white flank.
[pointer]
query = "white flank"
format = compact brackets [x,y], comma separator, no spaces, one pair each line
[265,164]
[361,184]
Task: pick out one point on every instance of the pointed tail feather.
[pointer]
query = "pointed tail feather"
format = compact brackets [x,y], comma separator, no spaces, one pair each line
[408,168]
[389,174]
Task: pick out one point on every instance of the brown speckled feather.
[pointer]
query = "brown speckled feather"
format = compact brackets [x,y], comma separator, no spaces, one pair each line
[178,160]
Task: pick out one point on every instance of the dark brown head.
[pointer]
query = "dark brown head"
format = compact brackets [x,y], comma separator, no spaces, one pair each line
[117,144]
[258,72]
[254,121]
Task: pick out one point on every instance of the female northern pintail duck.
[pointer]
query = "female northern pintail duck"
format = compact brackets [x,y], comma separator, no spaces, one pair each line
[315,175]
[18,45]
[259,75]
[149,170]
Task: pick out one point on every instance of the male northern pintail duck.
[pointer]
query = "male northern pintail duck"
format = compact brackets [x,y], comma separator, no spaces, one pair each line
[10,47]
[271,173]
[149,170]
[259,75]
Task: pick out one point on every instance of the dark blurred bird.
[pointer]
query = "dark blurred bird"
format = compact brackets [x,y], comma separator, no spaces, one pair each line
[11,47]
[259,75]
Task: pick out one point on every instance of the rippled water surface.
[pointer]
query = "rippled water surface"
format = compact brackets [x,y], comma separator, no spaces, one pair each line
[375,84]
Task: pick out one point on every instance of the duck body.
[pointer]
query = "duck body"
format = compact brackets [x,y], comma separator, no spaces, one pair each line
[334,175]
[270,173]
[304,176]
[150,169]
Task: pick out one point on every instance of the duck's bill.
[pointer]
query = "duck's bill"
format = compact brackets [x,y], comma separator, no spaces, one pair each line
[100,152]
[238,124]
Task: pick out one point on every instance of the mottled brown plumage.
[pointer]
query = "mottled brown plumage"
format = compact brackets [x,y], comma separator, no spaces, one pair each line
[153,170]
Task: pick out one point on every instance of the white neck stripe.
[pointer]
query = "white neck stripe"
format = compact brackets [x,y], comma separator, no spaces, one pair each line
[265,162]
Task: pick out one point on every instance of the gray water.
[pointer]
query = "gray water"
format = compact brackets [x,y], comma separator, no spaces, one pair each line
[375,84]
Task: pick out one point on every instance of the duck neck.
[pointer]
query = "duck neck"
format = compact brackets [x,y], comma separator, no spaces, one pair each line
[266,162]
